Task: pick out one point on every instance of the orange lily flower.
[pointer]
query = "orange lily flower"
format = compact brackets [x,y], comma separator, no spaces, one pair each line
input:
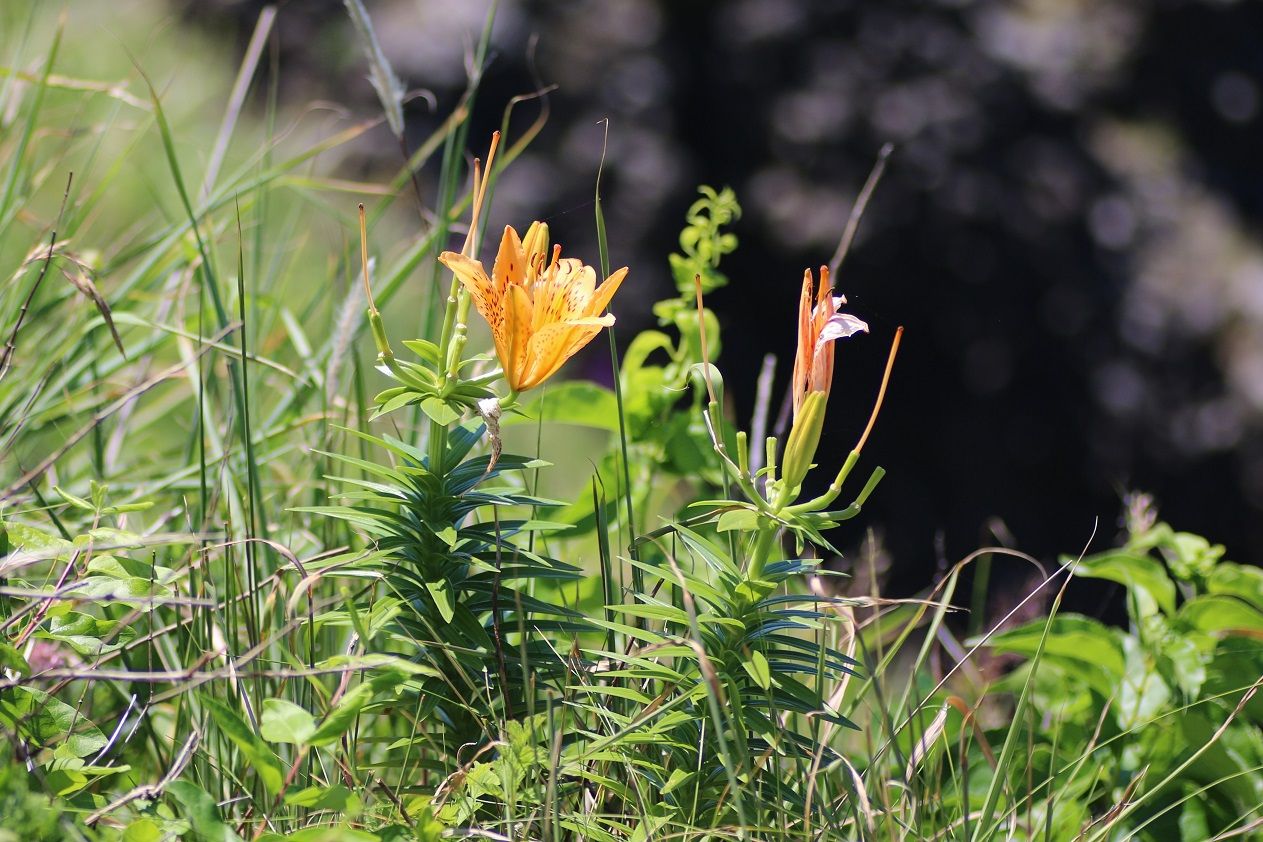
[540,313]
[818,328]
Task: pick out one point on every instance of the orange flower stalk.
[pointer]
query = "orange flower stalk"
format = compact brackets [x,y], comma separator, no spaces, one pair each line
[540,313]
[818,328]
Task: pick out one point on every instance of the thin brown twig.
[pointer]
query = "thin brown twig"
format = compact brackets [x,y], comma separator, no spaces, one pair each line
[152,791]
[861,204]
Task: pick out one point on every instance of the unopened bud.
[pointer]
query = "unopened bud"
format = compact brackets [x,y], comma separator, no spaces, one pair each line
[535,244]
[804,438]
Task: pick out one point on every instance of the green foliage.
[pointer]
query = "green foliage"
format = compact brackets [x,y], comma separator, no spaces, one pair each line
[1166,694]
[734,658]
[446,554]
[243,598]
[704,242]
[662,399]
[28,816]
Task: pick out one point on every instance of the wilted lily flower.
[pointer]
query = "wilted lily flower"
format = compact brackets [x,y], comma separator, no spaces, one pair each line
[541,313]
[818,328]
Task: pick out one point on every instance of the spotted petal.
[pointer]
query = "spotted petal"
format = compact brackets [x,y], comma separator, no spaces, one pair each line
[515,355]
[510,265]
[563,293]
[558,342]
[488,300]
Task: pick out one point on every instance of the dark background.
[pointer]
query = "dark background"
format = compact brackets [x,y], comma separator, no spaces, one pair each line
[1068,227]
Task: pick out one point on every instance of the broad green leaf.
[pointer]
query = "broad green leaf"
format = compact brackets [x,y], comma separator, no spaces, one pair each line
[260,757]
[742,520]
[283,721]
[1218,613]
[142,830]
[678,778]
[1193,825]
[1143,694]
[10,659]
[1189,660]
[1237,580]
[1191,557]
[1143,575]
[86,634]
[439,411]
[202,812]
[47,722]
[573,402]
[35,541]
[343,715]
[341,833]
[63,782]
[442,594]
[335,797]
[756,665]
[1070,636]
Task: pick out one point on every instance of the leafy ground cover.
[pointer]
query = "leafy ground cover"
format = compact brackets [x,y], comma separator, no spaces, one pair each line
[283,555]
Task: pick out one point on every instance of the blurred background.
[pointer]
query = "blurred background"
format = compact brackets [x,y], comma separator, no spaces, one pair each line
[1068,226]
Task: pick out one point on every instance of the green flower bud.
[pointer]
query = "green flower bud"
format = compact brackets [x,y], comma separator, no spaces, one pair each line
[804,438]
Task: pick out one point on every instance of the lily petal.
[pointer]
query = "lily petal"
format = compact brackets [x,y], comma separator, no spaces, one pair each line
[840,326]
[515,356]
[487,299]
[555,343]
[563,292]
[601,297]
[510,265]
[805,352]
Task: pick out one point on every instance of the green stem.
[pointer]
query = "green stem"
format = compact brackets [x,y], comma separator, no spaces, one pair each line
[449,321]
[764,544]
[437,445]
[835,488]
